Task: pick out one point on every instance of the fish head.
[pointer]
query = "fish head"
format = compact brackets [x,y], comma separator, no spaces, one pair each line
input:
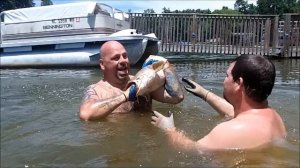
[157,66]
[145,80]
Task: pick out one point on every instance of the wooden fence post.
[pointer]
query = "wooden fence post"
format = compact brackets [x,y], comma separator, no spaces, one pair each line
[193,33]
[267,37]
[275,35]
[286,35]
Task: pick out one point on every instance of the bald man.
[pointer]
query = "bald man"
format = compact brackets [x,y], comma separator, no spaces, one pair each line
[109,94]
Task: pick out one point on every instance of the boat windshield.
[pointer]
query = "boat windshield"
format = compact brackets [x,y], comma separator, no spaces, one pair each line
[104,9]
[113,12]
[118,14]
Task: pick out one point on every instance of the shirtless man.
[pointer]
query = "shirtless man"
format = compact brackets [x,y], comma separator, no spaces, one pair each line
[109,94]
[249,81]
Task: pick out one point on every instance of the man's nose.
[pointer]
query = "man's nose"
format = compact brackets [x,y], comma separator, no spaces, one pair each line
[122,59]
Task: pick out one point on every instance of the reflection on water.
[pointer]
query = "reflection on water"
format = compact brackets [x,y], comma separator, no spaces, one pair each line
[40,125]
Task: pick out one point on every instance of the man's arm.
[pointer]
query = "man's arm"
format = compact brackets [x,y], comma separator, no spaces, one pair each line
[213,141]
[222,106]
[227,135]
[92,108]
[178,139]
[171,92]
[219,104]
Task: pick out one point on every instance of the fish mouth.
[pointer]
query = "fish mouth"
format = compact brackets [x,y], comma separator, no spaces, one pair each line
[158,65]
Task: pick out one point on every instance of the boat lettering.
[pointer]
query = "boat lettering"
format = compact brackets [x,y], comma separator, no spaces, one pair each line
[58,26]
[65,20]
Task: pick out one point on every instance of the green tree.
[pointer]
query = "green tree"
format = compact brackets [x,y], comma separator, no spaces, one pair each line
[243,7]
[206,11]
[149,11]
[252,9]
[166,10]
[15,4]
[226,10]
[296,8]
[46,2]
[277,7]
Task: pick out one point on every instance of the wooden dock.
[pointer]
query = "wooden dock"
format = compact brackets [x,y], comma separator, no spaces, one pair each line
[223,34]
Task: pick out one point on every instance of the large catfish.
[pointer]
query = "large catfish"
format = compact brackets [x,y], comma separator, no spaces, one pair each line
[149,78]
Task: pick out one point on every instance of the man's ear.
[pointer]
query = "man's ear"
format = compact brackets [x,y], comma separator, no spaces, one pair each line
[101,64]
[240,83]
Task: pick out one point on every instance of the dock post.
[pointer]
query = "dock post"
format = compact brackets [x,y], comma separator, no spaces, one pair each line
[286,35]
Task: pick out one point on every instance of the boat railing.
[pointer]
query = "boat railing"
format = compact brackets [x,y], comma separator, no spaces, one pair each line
[113,12]
[104,9]
[118,14]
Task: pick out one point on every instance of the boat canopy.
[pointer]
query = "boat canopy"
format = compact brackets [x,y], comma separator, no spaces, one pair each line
[71,10]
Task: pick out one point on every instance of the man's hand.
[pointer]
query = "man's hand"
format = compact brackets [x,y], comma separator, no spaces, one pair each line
[195,88]
[162,122]
[130,93]
[152,59]
[148,62]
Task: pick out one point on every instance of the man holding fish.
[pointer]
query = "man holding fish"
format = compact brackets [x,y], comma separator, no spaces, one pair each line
[119,92]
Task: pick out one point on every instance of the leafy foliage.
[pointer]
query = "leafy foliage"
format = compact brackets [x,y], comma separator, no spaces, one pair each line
[296,7]
[205,11]
[46,2]
[226,10]
[273,7]
[166,10]
[15,4]
[241,6]
[149,11]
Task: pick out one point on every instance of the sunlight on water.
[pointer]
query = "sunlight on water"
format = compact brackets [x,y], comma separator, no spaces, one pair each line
[40,126]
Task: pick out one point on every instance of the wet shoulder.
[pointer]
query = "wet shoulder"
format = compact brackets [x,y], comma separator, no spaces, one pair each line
[248,125]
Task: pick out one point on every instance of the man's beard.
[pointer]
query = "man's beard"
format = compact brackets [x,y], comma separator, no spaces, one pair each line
[224,96]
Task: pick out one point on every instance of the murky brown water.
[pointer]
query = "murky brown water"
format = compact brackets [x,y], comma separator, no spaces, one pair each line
[40,125]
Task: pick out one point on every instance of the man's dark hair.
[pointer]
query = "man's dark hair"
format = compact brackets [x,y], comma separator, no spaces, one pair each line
[258,74]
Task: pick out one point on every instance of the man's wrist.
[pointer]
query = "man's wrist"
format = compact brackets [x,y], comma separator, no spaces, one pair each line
[125,97]
[205,97]
[170,130]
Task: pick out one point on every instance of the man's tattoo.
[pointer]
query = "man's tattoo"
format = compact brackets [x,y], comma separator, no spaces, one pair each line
[89,92]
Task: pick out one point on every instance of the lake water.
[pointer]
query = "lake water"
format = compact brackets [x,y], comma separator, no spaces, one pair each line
[40,126]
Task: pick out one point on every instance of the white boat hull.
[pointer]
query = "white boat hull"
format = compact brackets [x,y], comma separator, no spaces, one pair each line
[138,50]
[68,35]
